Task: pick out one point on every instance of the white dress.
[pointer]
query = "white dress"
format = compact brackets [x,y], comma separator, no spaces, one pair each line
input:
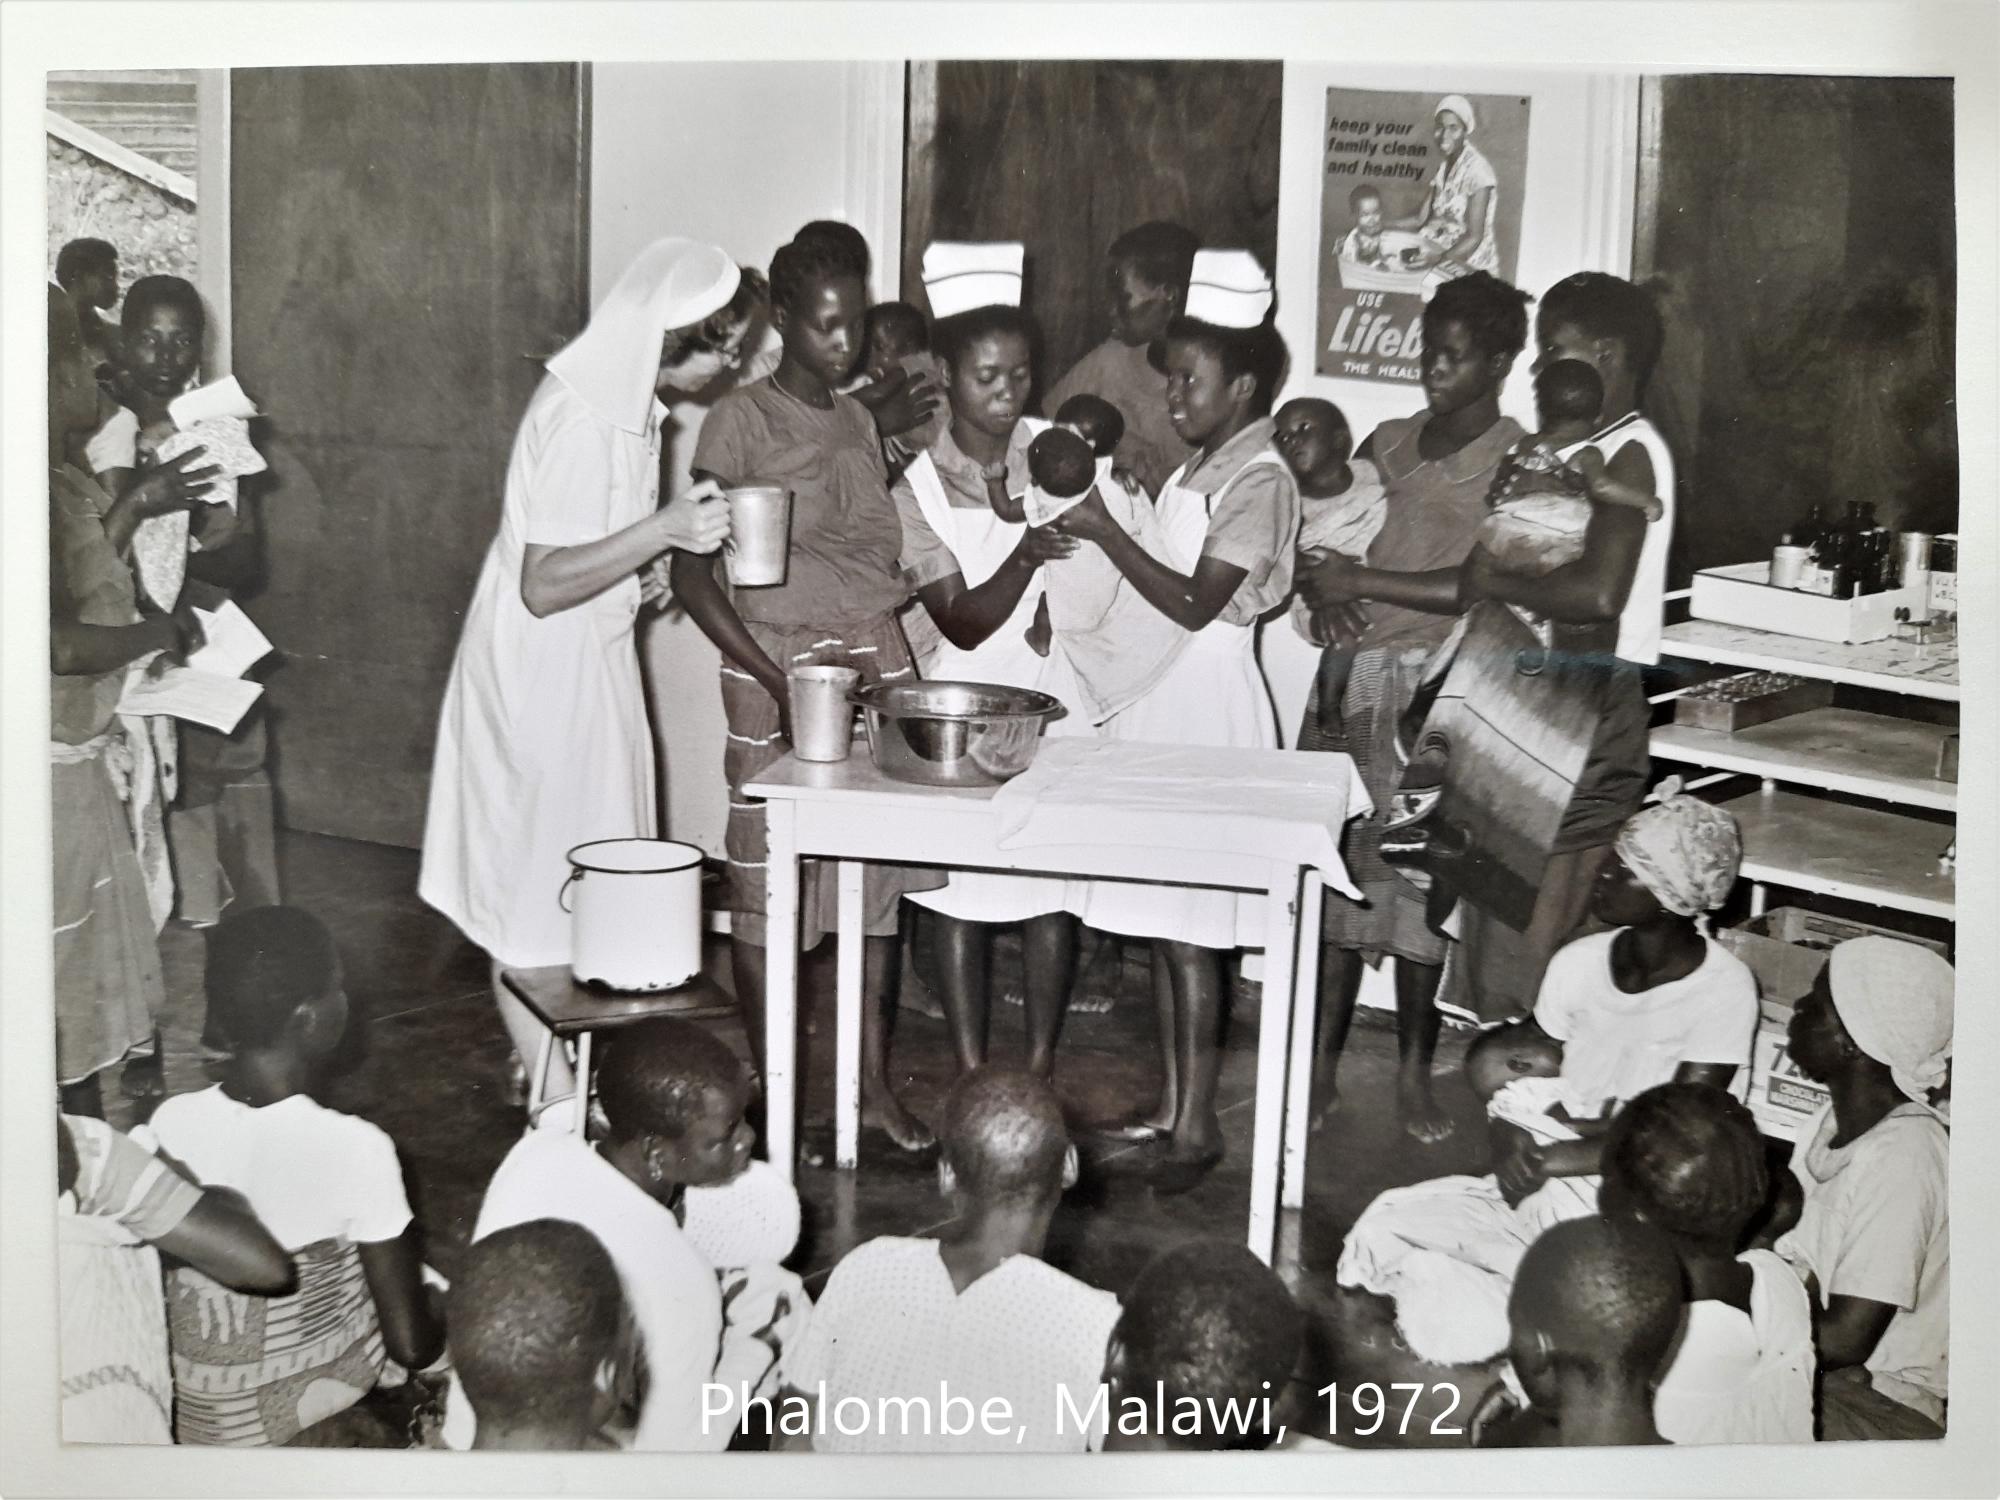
[982,542]
[1214,694]
[543,742]
[1738,1377]
[892,1328]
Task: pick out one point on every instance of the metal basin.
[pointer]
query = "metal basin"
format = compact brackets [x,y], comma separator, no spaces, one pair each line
[953,733]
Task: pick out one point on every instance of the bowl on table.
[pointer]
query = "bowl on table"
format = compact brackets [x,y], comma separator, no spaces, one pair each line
[953,733]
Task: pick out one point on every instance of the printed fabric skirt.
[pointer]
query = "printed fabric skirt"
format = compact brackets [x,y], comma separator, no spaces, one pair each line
[108,985]
[878,652]
[1392,916]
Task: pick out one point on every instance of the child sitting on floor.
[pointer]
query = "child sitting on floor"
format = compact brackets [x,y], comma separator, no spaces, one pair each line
[1687,1160]
[539,1337]
[252,1370]
[1208,1331]
[975,1310]
[1341,508]
[119,1207]
[1593,1312]
[695,1228]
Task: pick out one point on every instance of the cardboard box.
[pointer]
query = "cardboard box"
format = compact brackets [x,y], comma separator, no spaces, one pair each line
[1747,699]
[1786,948]
[1742,594]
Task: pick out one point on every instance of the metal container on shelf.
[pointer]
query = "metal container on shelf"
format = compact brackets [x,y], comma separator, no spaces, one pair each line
[954,733]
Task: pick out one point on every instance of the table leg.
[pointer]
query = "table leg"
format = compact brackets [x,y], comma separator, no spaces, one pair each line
[538,1079]
[1273,1036]
[1305,1031]
[580,1116]
[850,944]
[781,986]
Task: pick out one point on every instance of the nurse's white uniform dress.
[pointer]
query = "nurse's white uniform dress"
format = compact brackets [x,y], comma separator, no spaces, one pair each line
[543,741]
[982,542]
[1214,694]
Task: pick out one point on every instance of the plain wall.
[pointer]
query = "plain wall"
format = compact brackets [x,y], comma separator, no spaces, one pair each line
[740,154]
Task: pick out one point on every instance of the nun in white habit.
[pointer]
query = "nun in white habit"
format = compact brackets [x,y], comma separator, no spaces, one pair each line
[543,742]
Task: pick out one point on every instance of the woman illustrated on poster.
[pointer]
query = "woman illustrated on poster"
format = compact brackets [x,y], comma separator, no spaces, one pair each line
[1454,228]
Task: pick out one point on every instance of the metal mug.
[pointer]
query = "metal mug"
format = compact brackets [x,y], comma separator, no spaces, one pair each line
[760,529]
[822,716]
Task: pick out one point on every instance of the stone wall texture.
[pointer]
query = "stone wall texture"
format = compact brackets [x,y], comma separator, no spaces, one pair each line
[89,198]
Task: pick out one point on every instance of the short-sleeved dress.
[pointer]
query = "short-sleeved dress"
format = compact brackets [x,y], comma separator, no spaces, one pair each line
[836,608]
[543,742]
[891,1328]
[253,1371]
[117,1383]
[108,984]
[1452,191]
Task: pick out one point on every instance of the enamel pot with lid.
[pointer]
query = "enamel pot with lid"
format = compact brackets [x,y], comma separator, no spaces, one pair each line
[635,913]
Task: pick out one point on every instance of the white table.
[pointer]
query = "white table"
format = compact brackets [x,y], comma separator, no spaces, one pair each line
[848,811]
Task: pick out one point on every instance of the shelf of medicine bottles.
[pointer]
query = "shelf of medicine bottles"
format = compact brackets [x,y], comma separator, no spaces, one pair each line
[1833,749]
[1869,854]
[1893,666]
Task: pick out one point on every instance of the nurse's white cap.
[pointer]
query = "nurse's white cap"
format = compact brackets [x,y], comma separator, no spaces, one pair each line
[959,277]
[1229,289]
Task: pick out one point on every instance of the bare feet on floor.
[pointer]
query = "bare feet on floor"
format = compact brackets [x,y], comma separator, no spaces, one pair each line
[1424,1119]
[881,1109]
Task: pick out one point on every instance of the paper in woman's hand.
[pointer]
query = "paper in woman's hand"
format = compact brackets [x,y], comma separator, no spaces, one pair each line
[232,644]
[221,398]
[200,697]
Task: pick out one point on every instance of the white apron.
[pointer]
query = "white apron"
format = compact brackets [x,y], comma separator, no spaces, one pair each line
[1214,694]
[982,542]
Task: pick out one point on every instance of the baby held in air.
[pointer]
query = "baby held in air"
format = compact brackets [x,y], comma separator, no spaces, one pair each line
[1118,644]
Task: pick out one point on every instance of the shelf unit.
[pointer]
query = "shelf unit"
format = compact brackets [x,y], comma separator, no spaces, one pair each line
[1880,855]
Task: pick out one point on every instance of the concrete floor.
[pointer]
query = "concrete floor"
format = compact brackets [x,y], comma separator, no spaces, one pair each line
[428,1064]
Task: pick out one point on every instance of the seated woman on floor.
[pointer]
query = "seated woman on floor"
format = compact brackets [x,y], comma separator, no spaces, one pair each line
[973,1311]
[1687,1160]
[694,1226]
[1653,1000]
[1866,1220]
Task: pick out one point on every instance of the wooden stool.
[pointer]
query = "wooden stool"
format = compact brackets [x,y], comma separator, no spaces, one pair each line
[568,1009]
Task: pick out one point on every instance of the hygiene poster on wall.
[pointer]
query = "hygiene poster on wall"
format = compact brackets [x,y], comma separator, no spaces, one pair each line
[1415,189]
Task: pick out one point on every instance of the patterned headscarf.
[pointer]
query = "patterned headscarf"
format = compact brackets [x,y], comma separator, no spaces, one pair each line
[1682,849]
[1895,999]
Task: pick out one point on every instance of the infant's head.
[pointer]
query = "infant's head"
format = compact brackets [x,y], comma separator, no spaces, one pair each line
[1366,202]
[1567,392]
[1093,419]
[895,331]
[1496,1058]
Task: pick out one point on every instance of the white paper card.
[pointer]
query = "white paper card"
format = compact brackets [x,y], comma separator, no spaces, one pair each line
[234,644]
[201,697]
[223,398]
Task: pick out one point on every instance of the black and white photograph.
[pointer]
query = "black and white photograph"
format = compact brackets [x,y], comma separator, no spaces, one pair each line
[846,742]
